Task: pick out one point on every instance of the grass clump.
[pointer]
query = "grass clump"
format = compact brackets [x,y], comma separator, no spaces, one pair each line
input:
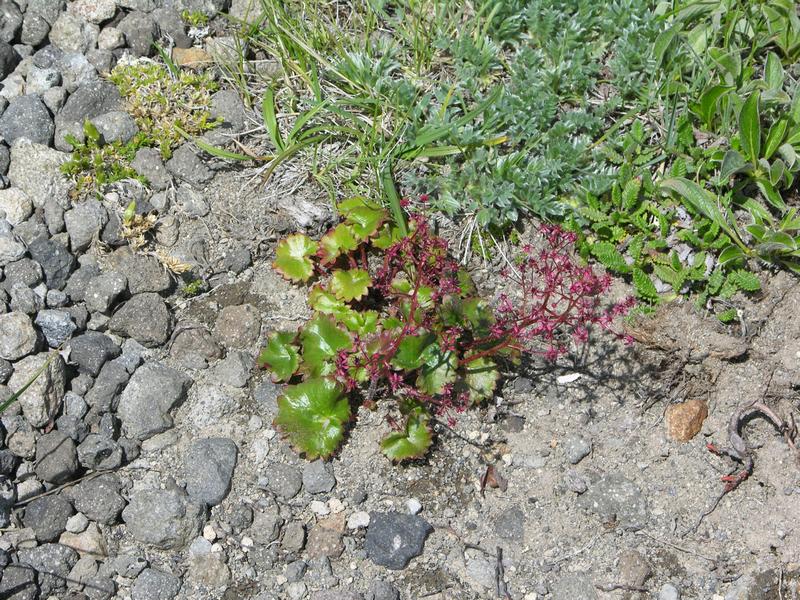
[166,103]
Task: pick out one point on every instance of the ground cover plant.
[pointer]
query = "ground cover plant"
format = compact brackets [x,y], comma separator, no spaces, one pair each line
[396,320]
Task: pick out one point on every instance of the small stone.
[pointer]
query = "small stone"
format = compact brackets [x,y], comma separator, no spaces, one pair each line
[393,539]
[576,448]
[510,524]
[72,34]
[208,466]
[685,420]
[283,480]
[94,11]
[574,587]
[167,519]
[294,537]
[358,520]
[192,202]
[25,300]
[414,506]
[84,569]
[84,223]
[19,583]
[99,498]
[36,170]
[152,584]
[56,326]
[324,542]
[319,508]
[116,126]
[16,204]
[56,457]
[140,32]
[28,117]
[209,571]
[89,542]
[145,318]
[17,336]
[575,482]
[382,590]
[187,166]
[149,164]
[192,58]
[91,350]
[152,392]
[103,290]
[318,477]
[56,261]
[234,370]
[144,273]
[48,517]
[77,523]
[11,249]
[41,398]
[10,21]
[98,452]
[52,564]
[633,568]
[110,38]
[194,347]
[669,592]
[614,497]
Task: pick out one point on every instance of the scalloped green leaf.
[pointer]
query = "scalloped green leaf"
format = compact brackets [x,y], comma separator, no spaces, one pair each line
[361,322]
[292,257]
[412,442]
[481,376]
[389,235]
[323,301]
[364,216]
[352,284]
[322,340]
[438,370]
[336,242]
[411,351]
[281,355]
[312,414]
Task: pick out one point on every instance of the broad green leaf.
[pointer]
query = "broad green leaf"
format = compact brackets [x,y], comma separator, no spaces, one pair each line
[361,322]
[775,137]
[388,236]
[350,285]
[313,414]
[733,162]
[293,260]
[412,442]
[338,241]
[323,301]
[663,42]
[322,340]
[365,217]
[481,377]
[280,355]
[750,127]
[438,370]
[771,194]
[773,71]
[730,254]
[411,351]
[707,106]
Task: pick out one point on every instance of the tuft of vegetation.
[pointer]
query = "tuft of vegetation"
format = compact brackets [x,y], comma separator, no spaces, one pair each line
[167,103]
[94,163]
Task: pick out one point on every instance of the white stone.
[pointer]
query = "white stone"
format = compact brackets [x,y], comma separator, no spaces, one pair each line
[209,533]
[319,508]
[16,204]
[77,523]
[413,505]
[335,505]
[358,520]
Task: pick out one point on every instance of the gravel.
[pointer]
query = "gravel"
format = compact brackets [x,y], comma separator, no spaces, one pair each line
[318,477]
[28,117]
[41,398]
[614,497]
[145,318]
[18,337]
[56,457]
[99,498]
[91,350]
[152,584]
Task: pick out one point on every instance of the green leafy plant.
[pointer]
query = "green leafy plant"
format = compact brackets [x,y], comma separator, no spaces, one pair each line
[95,163]
[395,319]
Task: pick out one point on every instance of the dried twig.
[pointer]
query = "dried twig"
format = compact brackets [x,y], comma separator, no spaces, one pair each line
[500,576]
[621,586]
[740,453]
